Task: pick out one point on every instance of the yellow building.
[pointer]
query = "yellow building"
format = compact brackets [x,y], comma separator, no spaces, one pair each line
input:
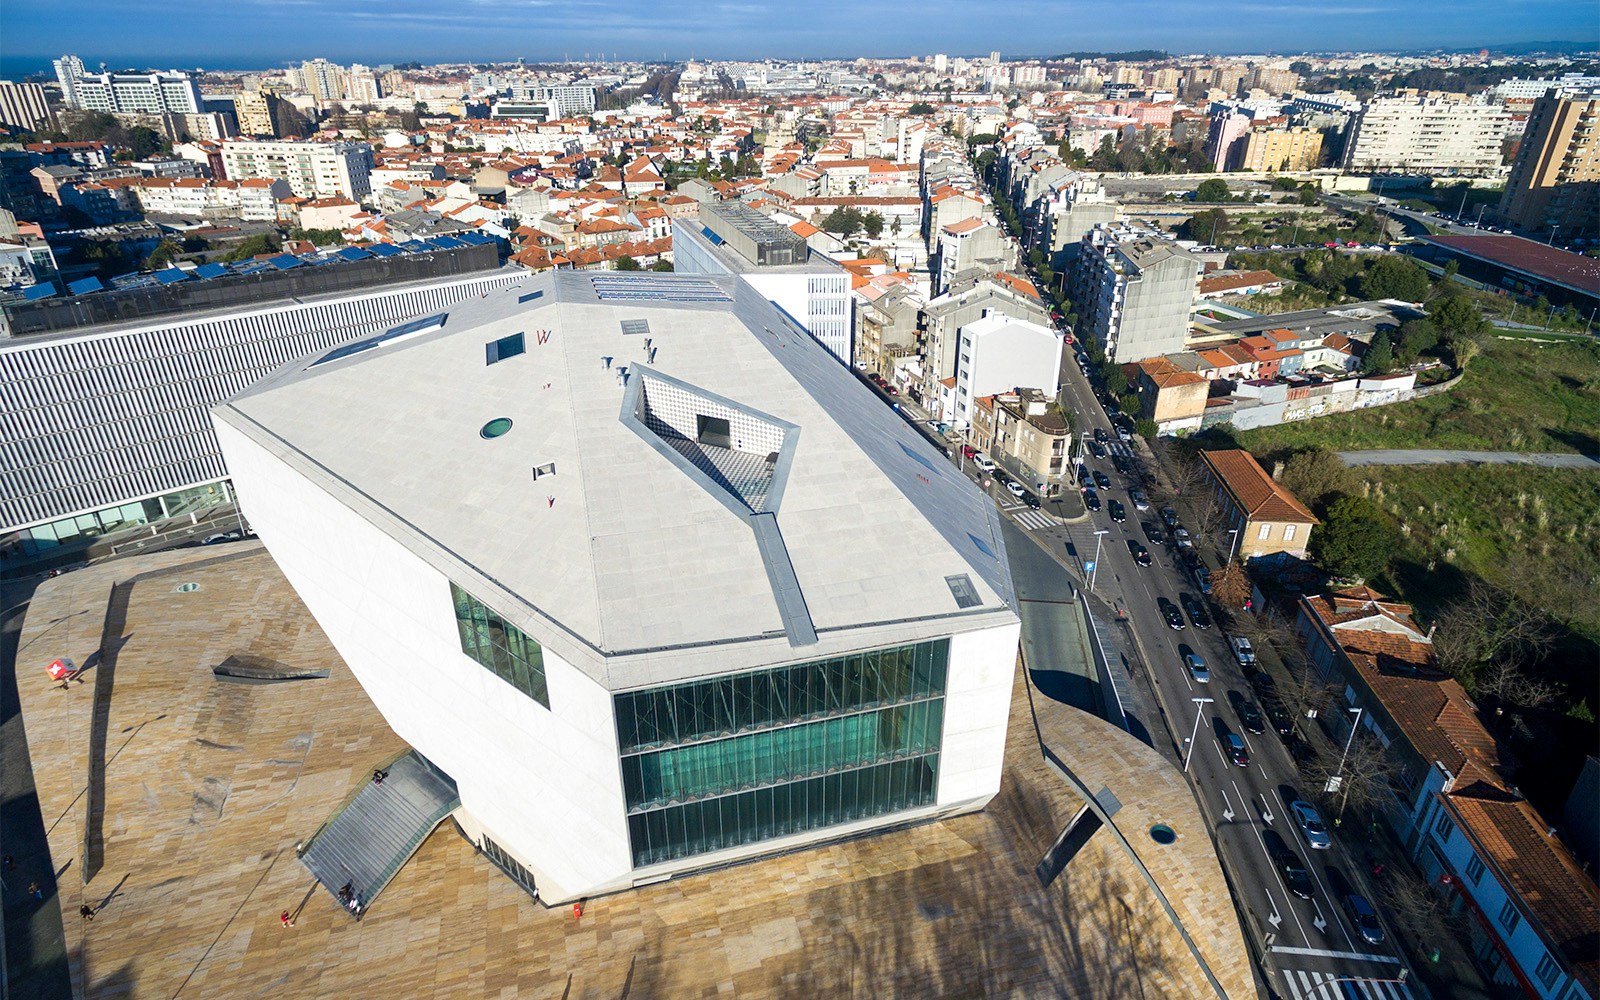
[1268,518]
[1287,149]
[1556,179]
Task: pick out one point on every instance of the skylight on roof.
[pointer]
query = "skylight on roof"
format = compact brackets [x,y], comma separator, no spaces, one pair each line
[505,347]
[963,591]
[392,335]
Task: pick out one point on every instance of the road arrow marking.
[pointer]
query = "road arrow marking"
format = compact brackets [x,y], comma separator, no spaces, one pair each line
[1266,809]
[1227,803]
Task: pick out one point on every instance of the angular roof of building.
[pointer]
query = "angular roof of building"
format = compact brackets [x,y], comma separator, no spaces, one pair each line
[812,522]
[1256,493]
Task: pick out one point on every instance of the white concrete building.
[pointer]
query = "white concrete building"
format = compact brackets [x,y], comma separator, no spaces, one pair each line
[1420,135]
[169,93]
[999,353]
[253,200]
[313,169]
[656,582]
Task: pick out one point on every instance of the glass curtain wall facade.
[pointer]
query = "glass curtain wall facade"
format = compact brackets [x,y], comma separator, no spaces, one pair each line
[513,656]
[719,763]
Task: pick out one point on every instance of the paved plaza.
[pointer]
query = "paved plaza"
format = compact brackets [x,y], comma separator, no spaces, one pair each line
[186,797]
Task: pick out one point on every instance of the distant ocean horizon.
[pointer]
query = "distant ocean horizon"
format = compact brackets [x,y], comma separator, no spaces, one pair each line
[17,67]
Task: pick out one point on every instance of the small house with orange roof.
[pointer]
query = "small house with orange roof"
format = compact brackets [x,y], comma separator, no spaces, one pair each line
[1270,521]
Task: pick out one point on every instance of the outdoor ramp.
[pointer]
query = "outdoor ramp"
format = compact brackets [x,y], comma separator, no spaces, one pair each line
[368,841]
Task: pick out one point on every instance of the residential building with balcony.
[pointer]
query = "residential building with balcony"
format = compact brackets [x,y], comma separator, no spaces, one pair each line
[1554,185]
[1133,294]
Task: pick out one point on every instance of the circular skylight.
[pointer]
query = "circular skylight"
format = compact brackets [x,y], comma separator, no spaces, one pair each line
[496,427]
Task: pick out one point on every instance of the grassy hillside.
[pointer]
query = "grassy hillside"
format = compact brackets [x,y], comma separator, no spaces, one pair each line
[1519,395]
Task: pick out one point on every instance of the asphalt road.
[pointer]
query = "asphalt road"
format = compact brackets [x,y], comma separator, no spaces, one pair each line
[1307,942]
[1403,456]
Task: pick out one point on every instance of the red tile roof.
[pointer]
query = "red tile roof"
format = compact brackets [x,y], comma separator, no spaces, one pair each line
[1255,492]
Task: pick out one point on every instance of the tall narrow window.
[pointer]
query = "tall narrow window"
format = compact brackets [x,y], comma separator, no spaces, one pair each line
[505,650]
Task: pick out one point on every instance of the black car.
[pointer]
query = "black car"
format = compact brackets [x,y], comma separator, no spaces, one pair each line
[1190,559]
[1102,480]
[1091,500]
[1250,717]
[1170,612]
[1141,555]
[1196,610]
[1295,874]
[1031,500]
[1101,435]
[1118,512]
[1169,517]
[1122,463]
[1084,478]
[1265,686]
[1097,449]
[1152,531]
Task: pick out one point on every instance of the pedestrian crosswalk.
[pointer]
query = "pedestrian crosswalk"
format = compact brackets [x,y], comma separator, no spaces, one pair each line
[1033,520]
[1305,985]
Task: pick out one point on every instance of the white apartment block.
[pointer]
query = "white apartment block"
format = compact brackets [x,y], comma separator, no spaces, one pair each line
[313,169]
[1428,136]
[23,105]
[1000,353]
[169,93]
[570,100]
[253,200]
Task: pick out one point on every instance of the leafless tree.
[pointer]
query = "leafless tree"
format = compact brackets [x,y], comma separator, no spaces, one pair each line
[1417,908]
[1489,638]
[1363,774]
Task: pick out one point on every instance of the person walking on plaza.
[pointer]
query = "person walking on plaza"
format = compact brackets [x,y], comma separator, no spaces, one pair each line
[286,920]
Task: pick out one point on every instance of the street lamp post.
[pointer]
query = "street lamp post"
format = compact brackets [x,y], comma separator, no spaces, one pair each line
[1480,214]
[1345,791]
[1094,568]
[1552,240]
[1199,710]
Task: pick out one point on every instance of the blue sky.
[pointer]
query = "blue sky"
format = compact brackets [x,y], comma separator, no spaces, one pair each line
[262,33]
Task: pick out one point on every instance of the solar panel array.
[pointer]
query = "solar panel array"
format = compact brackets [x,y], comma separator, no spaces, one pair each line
[282,262]
[637,287]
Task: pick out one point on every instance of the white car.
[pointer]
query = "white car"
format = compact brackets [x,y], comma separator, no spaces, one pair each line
[1310,822]
[983,463]
[1017,490]
[1242,650]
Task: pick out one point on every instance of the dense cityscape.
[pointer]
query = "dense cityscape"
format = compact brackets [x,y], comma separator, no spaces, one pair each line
[1102,524]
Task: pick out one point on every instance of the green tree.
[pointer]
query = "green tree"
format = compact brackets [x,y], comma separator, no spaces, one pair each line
[1129,404]
[872,223]
[253,246]
[1394,277]
[920,108]
[1207,227]
[846,220]
[1284,184]
[1212,189]
[1308,194]
[1115,381]
[163,255]
[1416,337]
[627,263]
[1146,428]
[1317,477]
[1455,316]
[1354,540]
[661,265]
[1379,357]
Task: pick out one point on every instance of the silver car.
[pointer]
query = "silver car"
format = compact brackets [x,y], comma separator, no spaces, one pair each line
[1310,822]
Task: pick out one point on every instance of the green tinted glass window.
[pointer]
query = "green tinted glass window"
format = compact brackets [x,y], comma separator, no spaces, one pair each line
[510,654]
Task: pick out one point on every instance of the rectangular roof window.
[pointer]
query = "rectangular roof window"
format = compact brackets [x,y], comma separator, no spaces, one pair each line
[963,591]
[632,327]
[505,347]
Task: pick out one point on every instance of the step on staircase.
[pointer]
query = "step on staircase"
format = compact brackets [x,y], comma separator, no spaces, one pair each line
[368,841]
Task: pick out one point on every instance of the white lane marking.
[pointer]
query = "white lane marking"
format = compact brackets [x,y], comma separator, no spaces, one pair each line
[1278,877]
[1324,953]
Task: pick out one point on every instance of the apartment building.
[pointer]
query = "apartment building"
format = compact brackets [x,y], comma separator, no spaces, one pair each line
[1026,433]
[1428,135]
[256,113]
[1555,181]
[253,200]
[313,169]
[1133,294]
[1282,149]
[169,93]
[998,353]
[23,106]
[970,244]
[971,297]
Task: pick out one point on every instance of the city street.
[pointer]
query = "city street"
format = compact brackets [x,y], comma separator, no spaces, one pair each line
[1309,943]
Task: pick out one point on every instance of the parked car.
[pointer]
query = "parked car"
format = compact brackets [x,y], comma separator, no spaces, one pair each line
[1363,918]
[1084,478]
[1153,532]
[1118,512]
[1242,650]
[983,463]
[1233,743]
[231,536]
[1196,609]
[1197,668]
[1140,501]
[1180,537]
[1017,490]
[1169,517]
[1201,575]
[1282,721]
[1310,823]
[1091,500]
[1170,612]
[968,451]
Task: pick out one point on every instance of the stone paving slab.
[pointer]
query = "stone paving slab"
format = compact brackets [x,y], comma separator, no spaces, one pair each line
[210,784]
